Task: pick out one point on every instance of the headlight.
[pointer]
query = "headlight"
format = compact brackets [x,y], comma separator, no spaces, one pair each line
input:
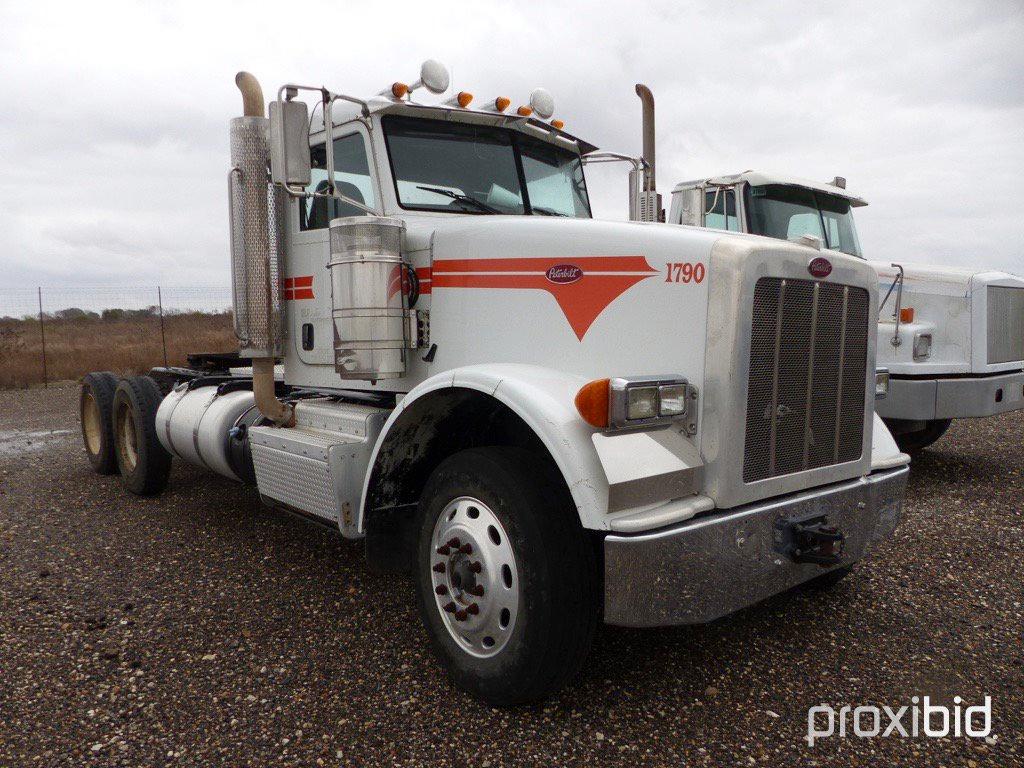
[922,345]
[672,399]
[641,403]
[637,401]
[881,383]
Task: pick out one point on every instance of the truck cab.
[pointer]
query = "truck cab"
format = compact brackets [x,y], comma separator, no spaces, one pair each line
[546,419]
[951,340]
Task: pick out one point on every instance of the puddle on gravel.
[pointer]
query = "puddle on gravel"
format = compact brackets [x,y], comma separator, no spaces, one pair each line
[16,442]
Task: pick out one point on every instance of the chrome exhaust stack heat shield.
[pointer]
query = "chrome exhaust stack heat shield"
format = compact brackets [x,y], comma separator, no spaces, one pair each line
[256,224]
[369,297]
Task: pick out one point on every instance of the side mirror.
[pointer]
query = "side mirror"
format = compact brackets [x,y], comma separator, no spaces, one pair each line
[289,143]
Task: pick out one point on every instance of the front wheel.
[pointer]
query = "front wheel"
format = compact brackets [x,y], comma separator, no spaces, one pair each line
[506,577]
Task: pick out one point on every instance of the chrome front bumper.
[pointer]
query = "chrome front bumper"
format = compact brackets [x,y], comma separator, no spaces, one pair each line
[705,568]
[952,398]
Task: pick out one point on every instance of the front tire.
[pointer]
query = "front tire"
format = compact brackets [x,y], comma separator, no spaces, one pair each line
[912,442]
[506,576]
[144,463]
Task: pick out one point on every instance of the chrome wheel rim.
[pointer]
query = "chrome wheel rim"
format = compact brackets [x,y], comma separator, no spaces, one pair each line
[91,423]
[126,440]
[474,577]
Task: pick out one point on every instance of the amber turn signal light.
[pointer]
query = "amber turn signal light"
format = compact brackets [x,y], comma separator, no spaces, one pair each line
[592,402]
[907,315]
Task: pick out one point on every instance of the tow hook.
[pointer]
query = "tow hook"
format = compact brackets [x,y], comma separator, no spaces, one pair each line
[810,541]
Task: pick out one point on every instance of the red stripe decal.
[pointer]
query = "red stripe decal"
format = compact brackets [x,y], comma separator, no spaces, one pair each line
[596,281]
[297,288]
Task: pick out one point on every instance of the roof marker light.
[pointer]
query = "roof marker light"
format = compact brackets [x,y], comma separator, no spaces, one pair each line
[399,90]
[559,124]
[464,98]
[501,103]
[524,111]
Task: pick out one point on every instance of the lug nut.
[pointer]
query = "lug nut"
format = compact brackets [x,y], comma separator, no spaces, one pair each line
[476,567]
[477,589]
[466,549]
[449,608]
[460,615]
[441,589]
[444,550]
[439,568]
[454,543]
[473,608]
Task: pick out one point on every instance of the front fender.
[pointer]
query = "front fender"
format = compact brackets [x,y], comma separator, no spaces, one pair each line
[544,399]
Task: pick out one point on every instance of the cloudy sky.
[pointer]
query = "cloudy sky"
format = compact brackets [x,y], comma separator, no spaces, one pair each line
[113,131]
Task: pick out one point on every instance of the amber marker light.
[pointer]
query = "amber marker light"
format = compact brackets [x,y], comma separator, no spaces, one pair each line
[907,315]
[559,124]
[592,402]
[464,98]
[501,103]
[398,90]
[524,111]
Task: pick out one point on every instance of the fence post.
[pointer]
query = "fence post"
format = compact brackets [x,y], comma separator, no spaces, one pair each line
[42,334]
[163,336]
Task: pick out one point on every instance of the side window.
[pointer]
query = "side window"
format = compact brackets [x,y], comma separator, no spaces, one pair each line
[351,178]
[720,210]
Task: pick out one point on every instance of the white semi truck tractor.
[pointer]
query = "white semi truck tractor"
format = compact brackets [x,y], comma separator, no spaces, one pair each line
[548,420]
[951,340]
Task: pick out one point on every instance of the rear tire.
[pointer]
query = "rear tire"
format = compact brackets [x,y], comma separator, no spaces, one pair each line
[912,442]
[529,569]
[95,413]
[144,463]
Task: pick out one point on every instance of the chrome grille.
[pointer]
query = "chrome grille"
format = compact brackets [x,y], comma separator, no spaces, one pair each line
[808,358]
[1005,324]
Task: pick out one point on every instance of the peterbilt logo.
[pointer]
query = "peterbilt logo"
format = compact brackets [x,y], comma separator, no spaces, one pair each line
[820,267]
[564,274]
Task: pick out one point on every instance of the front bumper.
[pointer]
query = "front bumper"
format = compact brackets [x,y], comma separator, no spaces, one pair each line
[702,569]
[952,398]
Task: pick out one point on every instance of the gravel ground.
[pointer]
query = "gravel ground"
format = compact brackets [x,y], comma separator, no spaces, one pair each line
[199,628]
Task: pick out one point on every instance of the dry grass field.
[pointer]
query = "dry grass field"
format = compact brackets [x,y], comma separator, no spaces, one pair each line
[124,343]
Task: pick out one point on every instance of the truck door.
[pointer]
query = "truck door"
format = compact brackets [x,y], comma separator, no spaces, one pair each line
[305,279]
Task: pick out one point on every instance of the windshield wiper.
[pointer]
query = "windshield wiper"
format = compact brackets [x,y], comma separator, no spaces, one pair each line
[546,211]
[469,200]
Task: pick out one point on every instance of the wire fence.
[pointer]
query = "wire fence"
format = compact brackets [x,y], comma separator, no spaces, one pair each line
[50,334]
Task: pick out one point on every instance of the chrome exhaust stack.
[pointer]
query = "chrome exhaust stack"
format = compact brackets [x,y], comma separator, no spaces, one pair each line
[256,223]
[646,201]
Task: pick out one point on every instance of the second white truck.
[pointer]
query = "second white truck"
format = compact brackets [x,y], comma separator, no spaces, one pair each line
[951,339]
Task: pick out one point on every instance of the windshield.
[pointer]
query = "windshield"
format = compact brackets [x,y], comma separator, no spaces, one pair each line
[463,168]
[787,212]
